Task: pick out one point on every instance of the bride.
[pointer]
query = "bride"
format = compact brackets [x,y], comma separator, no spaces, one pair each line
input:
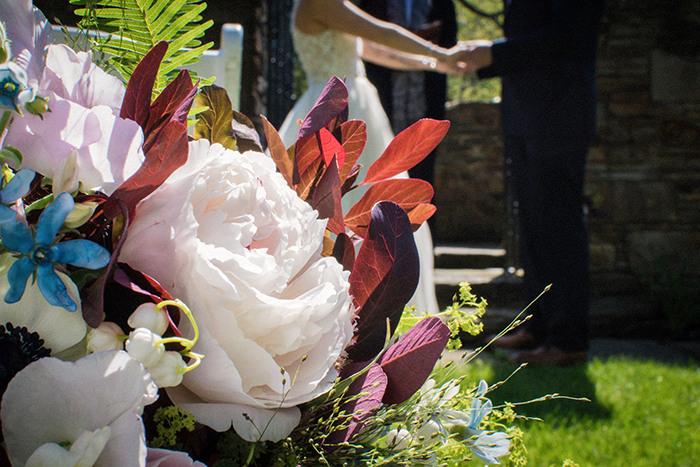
[331,38]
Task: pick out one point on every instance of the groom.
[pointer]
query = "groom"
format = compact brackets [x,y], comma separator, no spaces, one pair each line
[548,114]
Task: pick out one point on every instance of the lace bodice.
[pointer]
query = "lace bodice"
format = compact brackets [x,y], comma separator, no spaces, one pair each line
[328,54]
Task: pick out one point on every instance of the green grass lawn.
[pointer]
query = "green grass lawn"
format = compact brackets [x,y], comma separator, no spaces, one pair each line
[641,413]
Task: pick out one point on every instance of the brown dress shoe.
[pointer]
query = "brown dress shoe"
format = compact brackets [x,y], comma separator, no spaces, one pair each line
[518,340]
[549,355]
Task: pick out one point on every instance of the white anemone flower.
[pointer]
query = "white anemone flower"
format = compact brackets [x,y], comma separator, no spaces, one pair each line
[78,414]
[58,327]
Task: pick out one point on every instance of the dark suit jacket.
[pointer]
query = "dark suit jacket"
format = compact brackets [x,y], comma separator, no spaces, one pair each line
[436,83]
[547,64]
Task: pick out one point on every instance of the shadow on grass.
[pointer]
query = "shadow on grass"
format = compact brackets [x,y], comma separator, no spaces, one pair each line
[534,382]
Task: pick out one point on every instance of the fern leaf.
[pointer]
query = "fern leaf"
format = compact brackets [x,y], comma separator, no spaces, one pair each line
[137,25]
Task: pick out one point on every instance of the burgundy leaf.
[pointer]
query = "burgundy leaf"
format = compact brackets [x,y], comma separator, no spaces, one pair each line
[278,152]
[344,251]
[407,149]
[169,101]
[140,282]
[409,362]
[168,152]
[384,277]
[92,297]
[326,199]
[371,384]
[332,102]
[173,104]
[144,284]
[406,192]
[137,100]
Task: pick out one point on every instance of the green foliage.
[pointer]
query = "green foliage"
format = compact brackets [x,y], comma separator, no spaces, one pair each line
[640,413]
[170,421]
[462,316]
[472,27]
[133,27]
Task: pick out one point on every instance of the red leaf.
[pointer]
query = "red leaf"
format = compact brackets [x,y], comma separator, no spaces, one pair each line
[353,136]
[406,192]
[371,385]
[278,152]
[407,149]
[307,153]
[326,199]
[409,362]
[384,277]
[330,147]
[332,102]
[344,251]
[137,100]
[168,152]
[420,214]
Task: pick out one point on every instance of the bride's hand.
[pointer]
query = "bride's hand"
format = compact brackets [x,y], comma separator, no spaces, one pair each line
[474,55]
[466,57]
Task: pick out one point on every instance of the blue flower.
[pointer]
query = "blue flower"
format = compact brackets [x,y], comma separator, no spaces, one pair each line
[14,190]
[40,254]
[14,91]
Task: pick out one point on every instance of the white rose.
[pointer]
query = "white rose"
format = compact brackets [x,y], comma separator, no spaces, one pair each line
[227,236]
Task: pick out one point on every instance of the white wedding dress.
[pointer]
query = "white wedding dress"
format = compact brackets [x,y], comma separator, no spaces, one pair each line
[329,54]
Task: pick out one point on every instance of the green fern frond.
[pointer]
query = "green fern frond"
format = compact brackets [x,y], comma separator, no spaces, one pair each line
[133,27]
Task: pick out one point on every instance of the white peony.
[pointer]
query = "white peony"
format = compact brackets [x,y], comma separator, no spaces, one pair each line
[227,236]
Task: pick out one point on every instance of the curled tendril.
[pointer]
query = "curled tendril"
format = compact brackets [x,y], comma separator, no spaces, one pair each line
[187,344]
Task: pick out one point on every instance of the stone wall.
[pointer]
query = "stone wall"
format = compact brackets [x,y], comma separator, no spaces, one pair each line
[643,176]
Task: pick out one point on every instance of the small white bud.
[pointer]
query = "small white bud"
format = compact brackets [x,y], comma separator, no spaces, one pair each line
[145,346]
[106,337]
[168,371]
[146,316]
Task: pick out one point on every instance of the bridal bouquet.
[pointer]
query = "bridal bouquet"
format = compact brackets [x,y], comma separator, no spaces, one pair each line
[166,297]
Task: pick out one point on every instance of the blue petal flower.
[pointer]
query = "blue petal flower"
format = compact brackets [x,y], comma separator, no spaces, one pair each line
[17,277]
[81,253]
[17,237]
[7,214]
[52,219]
[52,287]
[41,254]
[17,187]
[14,190]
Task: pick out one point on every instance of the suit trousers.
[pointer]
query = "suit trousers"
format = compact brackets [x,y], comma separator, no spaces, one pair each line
[549,180]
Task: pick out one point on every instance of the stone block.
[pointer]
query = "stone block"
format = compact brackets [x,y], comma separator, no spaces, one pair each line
[674,78]
[660,253]
[602,256]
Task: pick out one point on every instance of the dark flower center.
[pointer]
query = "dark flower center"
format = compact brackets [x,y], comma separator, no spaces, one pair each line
[18,348]
[41,254]
[9,87]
